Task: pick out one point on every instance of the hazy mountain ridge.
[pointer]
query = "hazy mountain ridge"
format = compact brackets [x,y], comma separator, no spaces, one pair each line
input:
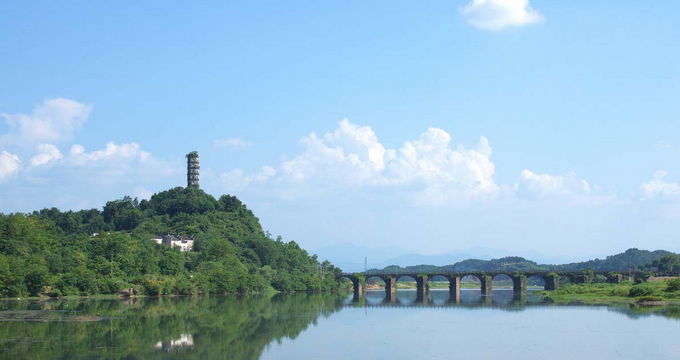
[631,258]
[351,257]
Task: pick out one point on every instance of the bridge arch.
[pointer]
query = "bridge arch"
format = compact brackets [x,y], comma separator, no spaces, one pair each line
[536,282]
[502,282]
[565,279]
[436,282]
[601,278]
[356,284]
[470,281]
[345,279]
[374,282]
[406,281]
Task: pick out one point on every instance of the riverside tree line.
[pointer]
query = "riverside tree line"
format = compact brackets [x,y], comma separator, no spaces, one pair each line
[54,251]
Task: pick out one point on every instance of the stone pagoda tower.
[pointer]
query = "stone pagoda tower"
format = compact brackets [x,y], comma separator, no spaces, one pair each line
[192,169]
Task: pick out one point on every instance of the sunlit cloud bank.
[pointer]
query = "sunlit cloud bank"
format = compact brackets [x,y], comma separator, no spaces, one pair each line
[352,157]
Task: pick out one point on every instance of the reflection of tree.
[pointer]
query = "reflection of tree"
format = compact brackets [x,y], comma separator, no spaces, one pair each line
[220,327]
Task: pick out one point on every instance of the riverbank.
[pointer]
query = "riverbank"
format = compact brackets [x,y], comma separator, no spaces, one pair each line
[269,291]
[649,293]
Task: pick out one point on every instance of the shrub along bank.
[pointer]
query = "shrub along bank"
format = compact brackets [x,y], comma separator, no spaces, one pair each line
[626,291]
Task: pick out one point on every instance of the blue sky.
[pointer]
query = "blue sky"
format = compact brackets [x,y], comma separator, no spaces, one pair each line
[577,103]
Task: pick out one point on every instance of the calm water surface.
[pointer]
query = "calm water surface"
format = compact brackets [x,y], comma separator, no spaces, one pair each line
[336,326]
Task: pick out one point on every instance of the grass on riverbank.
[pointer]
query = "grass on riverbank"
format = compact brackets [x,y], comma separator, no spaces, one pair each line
[625,292]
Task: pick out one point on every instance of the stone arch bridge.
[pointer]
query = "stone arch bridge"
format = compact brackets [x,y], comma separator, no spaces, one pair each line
[519,279]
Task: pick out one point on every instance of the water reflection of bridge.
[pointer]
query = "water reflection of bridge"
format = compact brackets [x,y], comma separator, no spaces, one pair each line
[505,300]
[551,280]
[443,298]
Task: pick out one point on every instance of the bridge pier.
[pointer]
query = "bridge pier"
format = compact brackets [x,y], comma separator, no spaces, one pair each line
[552,282]
[454,284]
[390,285]
[358,287]
[519,284]
[421,297]
[486,284]
[455,296]
[391,297]
[421,281]
[520,298]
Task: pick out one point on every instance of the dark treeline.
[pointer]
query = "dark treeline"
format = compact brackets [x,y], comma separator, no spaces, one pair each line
[657,261]
[57,250]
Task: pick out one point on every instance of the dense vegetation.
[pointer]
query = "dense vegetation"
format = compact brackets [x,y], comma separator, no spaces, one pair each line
[625,291]
[57,250]
[631,258]
[659,261]
[667,265]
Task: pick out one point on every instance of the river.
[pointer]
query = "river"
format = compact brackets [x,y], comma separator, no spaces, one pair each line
[337,326]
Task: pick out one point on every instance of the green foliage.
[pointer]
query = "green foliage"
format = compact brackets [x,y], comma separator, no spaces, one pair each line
[644,299]
[668,265]
[49,248]
[642,290]
[673,285]
[630,258]
[623,291]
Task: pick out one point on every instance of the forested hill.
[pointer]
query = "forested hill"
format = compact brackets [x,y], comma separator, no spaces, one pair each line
[55,249]
[631,258]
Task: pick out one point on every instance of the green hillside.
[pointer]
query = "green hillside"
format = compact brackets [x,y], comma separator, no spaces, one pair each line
[55,249]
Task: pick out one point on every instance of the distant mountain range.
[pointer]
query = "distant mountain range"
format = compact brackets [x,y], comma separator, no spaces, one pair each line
[350,258]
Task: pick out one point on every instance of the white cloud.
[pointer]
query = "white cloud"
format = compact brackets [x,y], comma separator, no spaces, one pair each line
[9,165]
[663,145]
[233,143]
[659,187]
[117,162]
[47,154]
[55,120]
[352,156]
[533,185]
[111,153]
[499,14]
[447,174]
[77,149]
[349,155]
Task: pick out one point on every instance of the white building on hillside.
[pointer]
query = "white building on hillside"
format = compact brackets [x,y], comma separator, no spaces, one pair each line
[184,243]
